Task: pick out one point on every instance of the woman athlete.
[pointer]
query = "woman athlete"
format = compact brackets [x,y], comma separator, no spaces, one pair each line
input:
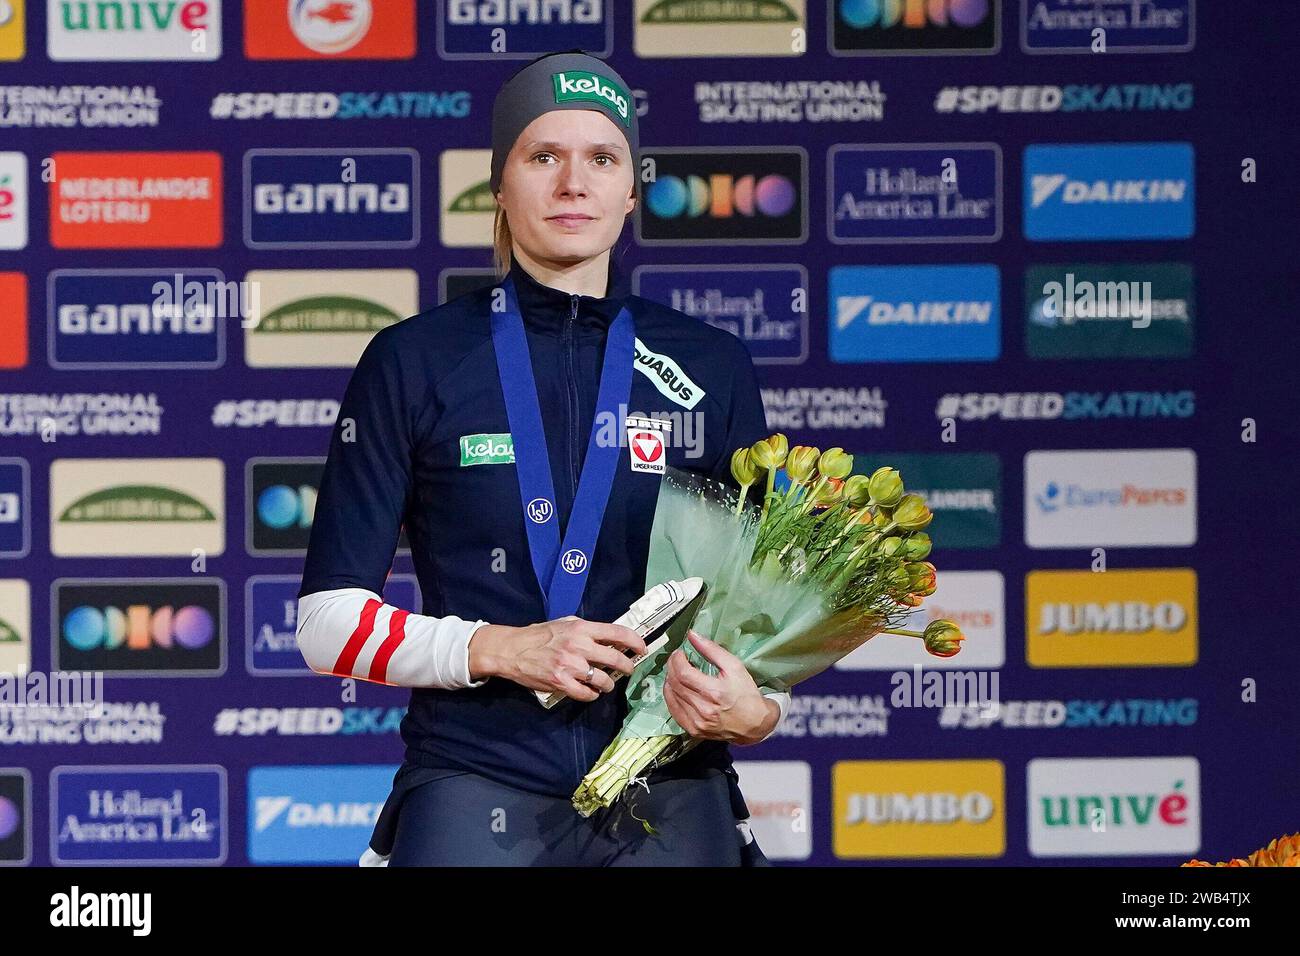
[494,429]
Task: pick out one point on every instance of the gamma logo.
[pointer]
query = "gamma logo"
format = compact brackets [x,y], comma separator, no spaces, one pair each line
[582,85]
[741,195]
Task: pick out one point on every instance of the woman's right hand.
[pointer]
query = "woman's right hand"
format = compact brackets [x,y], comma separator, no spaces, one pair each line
[555,655]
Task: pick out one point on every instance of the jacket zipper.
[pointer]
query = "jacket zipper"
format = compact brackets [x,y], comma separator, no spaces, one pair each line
[570,336]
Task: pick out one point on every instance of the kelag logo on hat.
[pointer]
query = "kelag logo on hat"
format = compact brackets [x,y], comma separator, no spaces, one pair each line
[584,85]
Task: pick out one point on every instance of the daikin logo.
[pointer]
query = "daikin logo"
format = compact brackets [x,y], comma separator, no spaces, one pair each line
[1114,191]
[584,85]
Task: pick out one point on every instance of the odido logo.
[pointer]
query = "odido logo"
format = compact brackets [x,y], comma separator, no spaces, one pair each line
[745,196]
[329,29]
[914,27]
[156,627]
[886,809]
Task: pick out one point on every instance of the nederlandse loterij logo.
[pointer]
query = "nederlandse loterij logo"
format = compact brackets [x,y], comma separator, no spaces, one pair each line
[584,85]
[489,448]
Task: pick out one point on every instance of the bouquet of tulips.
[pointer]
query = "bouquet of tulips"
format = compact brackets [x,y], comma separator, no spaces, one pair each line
[797,580]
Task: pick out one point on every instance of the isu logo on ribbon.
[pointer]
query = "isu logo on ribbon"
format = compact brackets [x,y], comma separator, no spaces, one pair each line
[540,510]
[574,561]
[646,444]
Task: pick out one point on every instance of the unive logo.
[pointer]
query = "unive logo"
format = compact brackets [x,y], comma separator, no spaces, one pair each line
[666,375]
[915,313]
[315,814]
[140,628]
[1128,26]
[137,507]
[890,809]
[329,29]
[585,86]
[162,815]
[331,198]
[1122,498]
[134,30]
[487,448]
[744,195]
[1127,617]
[1110,191]
[1128,806]
[13,201]
[110,318]
[757,303]
[912,27]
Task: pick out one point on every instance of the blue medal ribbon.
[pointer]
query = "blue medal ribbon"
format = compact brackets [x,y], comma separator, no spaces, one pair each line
[561,568]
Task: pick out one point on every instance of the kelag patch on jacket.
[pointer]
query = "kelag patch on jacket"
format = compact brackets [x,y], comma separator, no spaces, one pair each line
[488,448]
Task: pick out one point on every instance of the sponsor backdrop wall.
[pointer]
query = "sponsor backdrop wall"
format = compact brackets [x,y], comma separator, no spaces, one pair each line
[957,236]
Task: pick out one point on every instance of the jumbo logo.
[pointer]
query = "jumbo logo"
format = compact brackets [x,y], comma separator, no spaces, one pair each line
[1119,618]
[127,507]
[887,809]
[666,375]
[581,85]
[13,45]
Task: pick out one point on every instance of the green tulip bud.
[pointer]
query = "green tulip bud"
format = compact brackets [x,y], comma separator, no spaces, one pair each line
[856,492]
[898,581]
[886,486]
[801,461]
[891,546]
[924,578]
[883,519]
[916,547]
[943,638]
[834,463]
[742,468]
[912,513]
[830,493]
[769,454]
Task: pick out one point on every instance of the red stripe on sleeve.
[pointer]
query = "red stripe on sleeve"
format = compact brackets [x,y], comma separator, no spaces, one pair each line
[365,625]
[396,634]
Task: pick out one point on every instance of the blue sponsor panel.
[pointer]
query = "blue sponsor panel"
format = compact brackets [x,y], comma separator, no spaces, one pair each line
[139,318]
[468,29]
[15,508]
[172,815]
[271,605]
[1127,26]
[331,198]
[1110,191]
[918,192]
[756,303]
[915,313]
[314,814]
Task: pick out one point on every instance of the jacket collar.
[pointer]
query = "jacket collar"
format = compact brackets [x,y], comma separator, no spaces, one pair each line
[547,309]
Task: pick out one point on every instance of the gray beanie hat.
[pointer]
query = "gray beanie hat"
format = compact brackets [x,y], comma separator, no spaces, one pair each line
[572,80]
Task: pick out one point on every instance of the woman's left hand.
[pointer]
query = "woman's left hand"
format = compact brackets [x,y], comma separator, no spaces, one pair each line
[727,707]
